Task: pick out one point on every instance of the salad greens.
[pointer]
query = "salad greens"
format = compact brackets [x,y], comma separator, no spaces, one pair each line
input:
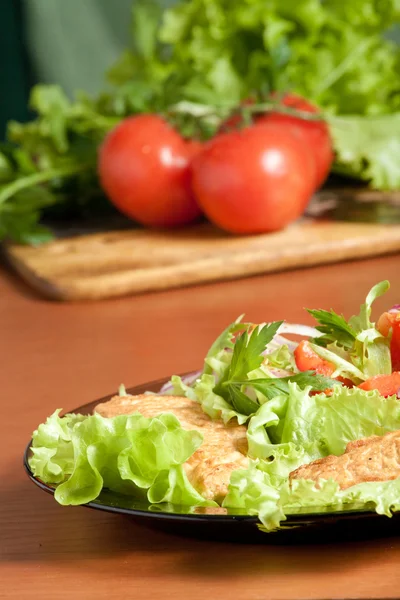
[127,454]
[355,347]
[307,428]
[292,417]
[195,68]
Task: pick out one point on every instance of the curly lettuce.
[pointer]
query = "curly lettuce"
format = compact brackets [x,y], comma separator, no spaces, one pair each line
[127,454]
[293,431]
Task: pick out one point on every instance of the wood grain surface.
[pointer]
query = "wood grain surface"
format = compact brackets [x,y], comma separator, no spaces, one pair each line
[63,355]
[118,263]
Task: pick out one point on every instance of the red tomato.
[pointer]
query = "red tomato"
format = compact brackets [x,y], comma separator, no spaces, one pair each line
[144,167]
[316,133]
[308,360]
[255,180]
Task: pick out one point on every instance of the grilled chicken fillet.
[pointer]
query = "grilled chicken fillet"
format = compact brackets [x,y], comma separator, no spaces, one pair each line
[223,450]
[375,458]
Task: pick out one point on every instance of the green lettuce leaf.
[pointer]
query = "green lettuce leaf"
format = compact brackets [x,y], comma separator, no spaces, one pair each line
[367,147]
[254,491]
[128,454]
[213,405]
[281,358]
[52,450]
[328,423]
[351,414]
[294,430]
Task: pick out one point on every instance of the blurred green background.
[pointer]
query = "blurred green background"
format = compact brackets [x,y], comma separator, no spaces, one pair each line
[70,42]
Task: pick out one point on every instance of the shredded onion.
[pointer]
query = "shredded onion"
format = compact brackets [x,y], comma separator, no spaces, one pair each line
[188,379]
[296,329]
[279,341]
[275,372]
[395,308]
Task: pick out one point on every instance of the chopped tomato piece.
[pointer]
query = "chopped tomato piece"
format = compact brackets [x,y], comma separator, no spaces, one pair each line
[387,385]
[308,360]
[390,321]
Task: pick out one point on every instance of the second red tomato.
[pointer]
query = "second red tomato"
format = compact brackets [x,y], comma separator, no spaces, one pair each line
[255,180]
[316,133]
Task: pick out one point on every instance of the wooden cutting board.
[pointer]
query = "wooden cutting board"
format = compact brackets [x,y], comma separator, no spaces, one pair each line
[118,263]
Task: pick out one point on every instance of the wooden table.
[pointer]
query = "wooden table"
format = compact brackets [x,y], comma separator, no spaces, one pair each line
[63,355]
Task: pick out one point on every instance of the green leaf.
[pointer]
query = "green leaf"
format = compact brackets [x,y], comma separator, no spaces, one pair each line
[223,342]
[294,430]
[203,391]
[128,454]
[275,386]
[225,81]
[363,320]
[281,358]
[351,414]
[253,491]
[241,403]
[334,327]
[355,347]
[372,350]
[146,20]
[247,353]
[52,104]
[344,366]
[367,147]
[173,486]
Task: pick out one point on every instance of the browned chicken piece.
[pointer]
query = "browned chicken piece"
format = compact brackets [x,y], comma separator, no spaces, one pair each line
[375,458]
[223,450]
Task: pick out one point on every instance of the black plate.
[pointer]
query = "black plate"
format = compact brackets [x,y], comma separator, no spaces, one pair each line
[233,524]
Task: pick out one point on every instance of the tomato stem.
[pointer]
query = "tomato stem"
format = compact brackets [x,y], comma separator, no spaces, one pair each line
[214,112]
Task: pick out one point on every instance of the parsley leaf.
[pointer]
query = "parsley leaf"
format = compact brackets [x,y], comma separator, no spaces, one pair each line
[334,327]
[241,402]
[271,387]
[223,342]
[247,353]
[247,357]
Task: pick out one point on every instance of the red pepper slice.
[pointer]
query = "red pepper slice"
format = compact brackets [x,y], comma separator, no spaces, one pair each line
[387,385]
[308,360]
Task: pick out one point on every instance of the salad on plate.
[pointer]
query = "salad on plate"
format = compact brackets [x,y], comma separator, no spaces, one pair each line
[268,426]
